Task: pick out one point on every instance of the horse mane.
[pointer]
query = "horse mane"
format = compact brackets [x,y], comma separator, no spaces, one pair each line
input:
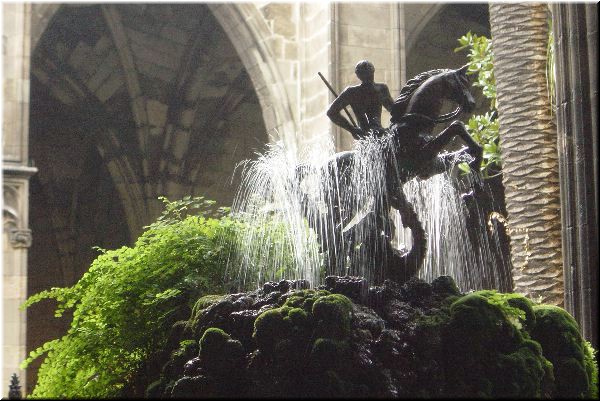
[411,86]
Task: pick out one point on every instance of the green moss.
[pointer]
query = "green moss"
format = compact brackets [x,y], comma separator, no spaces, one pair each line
[327,353]
[333,315]
[199,306]
[558,334]
[300,314]
[524,304]
[219,353]
[476,315]
[211,339]
[204,302]
[517,308]
[305,299]
[187,350]
[524,373]
[269,327]
[487,355]
[445,285]
[591,367]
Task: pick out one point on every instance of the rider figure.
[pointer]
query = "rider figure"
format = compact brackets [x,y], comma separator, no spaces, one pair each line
[366,101]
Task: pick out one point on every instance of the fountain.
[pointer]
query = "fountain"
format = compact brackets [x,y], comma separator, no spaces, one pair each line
[351,213]
[336,309]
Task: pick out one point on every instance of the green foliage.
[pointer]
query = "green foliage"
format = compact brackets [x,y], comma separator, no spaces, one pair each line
[481,62]
[125,304]
[483,128]
[591,367]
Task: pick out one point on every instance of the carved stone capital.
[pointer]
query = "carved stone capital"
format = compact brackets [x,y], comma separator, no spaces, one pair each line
[19,237]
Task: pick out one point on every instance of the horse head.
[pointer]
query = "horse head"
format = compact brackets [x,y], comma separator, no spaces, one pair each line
[458,84]
[423,94]
[453,85]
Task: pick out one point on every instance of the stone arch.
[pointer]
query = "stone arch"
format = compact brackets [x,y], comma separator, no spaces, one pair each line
[433,31]
[417,18]
[247,29]
[41,15]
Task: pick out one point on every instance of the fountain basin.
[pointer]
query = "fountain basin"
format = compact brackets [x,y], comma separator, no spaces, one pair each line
[394,341]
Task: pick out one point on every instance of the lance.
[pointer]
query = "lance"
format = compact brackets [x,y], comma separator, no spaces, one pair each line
[336,95]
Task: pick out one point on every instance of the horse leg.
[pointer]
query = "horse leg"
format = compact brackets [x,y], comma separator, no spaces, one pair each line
[416,256]
[457,128]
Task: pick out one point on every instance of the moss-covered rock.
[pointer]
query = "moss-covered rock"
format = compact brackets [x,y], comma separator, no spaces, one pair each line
[332,314]
[270,328]
[411,340]
[591,367]
[561,341]
[327,354]
[488,354]
[219,354]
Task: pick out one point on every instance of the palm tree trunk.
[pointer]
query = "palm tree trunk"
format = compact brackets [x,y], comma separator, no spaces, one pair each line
[528,143]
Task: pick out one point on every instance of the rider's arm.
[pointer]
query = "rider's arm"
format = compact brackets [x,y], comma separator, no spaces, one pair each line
[335,114]
[386,98]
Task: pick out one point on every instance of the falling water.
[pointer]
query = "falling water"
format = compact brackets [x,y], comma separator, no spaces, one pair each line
[471,254]
[286,203]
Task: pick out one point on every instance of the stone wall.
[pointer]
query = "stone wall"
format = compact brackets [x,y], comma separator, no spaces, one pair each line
[367,31]
[16,235]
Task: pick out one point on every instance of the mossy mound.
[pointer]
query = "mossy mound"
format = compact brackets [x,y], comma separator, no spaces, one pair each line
[488,356]
[414,340]
[574,366]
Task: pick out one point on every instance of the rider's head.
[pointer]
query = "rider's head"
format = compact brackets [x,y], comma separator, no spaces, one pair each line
[365,71]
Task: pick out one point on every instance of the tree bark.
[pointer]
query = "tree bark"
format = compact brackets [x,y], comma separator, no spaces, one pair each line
[528,144]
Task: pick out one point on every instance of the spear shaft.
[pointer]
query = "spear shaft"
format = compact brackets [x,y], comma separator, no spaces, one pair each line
[336,95]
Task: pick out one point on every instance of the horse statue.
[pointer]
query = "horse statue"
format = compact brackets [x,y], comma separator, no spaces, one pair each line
[408,149]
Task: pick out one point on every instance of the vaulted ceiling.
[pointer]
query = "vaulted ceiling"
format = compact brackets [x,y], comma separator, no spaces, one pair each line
[157,89]
[130,102]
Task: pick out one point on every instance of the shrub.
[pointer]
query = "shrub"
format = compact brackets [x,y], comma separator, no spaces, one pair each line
[125,304]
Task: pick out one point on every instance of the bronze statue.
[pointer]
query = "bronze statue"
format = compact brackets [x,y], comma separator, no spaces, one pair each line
[411,152]
[366,101]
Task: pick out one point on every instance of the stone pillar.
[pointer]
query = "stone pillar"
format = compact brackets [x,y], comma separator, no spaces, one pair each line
[16,237]
[314,53]
[576,55]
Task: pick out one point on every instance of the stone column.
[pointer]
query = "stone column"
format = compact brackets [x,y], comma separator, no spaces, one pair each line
[576,56]
[16,171]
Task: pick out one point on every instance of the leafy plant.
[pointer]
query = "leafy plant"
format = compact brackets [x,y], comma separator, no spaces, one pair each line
[124,305]
[483,128]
